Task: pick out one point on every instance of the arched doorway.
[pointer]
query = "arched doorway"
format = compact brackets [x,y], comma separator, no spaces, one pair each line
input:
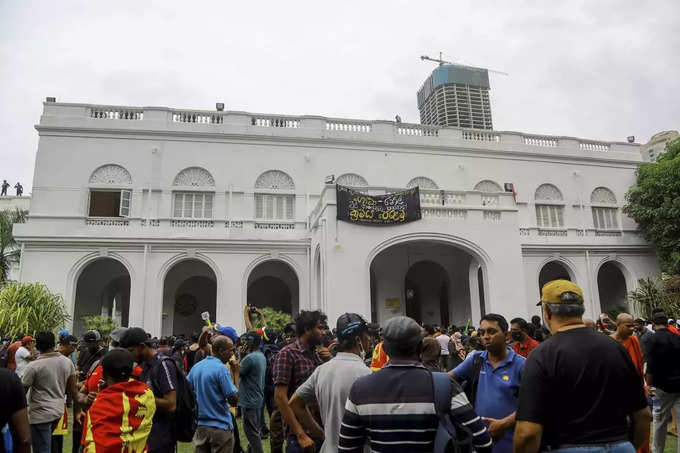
[274,284]
[189,289]
[426,290]
[103,288]
[428,280]
[553,270]
[611,286]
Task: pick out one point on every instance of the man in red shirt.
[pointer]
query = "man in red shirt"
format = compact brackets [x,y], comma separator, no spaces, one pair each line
[524,344]
[11,351]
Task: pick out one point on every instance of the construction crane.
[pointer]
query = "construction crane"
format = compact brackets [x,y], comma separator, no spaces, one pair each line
[443,62]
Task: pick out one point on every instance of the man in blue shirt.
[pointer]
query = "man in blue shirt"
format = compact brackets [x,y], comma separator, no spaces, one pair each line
[251,395]
[498,382]
[213,385]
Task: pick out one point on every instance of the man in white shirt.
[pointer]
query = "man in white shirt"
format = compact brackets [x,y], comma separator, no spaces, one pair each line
[24,355]
[443,339]
[330,383]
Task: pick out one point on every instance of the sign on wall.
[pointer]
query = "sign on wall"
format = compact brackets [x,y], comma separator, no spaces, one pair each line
[390,209]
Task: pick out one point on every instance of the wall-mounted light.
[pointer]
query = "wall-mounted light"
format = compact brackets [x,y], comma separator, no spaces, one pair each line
[330,179]
[219,106]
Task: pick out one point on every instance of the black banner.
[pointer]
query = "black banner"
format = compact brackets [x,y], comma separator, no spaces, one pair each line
[390,209]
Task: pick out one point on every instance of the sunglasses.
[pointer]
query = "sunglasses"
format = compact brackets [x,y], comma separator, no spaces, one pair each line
[566,297]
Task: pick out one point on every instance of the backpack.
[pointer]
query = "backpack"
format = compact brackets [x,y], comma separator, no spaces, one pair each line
[185,417]
[470,386]
[452,436]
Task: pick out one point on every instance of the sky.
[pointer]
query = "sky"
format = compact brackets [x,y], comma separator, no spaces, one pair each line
[596,69]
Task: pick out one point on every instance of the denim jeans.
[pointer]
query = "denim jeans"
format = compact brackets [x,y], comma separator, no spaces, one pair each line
[252,424]
[664,404]
[41,436]
[620,447]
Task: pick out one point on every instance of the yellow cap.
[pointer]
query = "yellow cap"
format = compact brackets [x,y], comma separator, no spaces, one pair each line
[551,292]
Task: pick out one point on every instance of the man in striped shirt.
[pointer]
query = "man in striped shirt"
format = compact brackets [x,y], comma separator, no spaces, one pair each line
[393,409]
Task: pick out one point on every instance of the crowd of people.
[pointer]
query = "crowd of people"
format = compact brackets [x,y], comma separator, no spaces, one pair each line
[5,185]
[555,383]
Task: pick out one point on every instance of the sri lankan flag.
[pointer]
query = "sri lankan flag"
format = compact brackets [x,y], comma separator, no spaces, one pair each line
[120,419]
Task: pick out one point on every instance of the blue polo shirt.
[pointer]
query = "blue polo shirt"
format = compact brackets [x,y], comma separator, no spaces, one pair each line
[212,382]
[497,391]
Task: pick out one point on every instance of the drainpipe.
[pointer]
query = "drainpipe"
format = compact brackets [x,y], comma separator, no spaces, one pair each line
[21,263]
[146,252]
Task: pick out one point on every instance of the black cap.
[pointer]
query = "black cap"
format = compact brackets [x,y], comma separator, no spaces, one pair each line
[350,324]
[134,336]
[118,363]
[660,318]
[91,336]
[68,340]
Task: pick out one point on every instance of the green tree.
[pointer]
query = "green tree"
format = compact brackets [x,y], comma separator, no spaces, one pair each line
[27,308]
[103,324]
[275,319]
[9,250]
[654,203]
[654,293]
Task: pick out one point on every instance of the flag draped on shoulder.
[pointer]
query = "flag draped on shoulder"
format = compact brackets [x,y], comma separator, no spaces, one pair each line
[120,419]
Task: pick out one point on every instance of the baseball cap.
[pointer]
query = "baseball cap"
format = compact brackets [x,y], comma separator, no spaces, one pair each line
[553,293]
[402,329]
[178,344]
[350,324]
[62,333]
[134,336]
[659,317]
[671,321]
[229,332]
[118,363]
[27,338]
[91,336]
[68,340]
[117,333]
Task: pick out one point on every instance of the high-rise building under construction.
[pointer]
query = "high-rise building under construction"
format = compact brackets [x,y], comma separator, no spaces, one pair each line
[456,96]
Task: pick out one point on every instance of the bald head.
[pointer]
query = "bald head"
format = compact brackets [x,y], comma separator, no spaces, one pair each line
[624,317]
[625,326]
[222,348]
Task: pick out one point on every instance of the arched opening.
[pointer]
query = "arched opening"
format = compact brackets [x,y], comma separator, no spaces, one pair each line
[103,288]
[274,284]
[426,290]
[553,270]
[429,281]
[611,286]
[189,289]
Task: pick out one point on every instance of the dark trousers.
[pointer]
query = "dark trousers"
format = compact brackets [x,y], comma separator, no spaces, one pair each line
[57,443]
[251,427]
[292,445]
[41,436]
[276,432]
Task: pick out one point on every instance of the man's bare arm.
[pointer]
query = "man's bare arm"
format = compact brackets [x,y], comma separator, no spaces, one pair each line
[21,431]
[302,414]
[640,426]
[168,403]
[527,437]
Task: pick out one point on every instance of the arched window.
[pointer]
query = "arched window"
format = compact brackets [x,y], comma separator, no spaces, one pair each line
[110,193]
[422,182]
[193,194]
[351,180]
[549,207]
[604,208]
[487,186]
[274,196]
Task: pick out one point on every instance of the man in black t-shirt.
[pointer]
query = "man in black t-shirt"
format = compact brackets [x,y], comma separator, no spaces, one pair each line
[578,387]
[13,411]
[663,377]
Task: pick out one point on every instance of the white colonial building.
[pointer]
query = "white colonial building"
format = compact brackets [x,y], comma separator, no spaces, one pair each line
[154,215]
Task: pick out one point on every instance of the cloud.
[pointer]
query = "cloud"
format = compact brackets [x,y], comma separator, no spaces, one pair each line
[603,70]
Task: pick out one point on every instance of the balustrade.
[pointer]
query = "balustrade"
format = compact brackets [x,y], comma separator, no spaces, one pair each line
[197,117]
[116,113]
[346,126]
[545,142]
[275,121]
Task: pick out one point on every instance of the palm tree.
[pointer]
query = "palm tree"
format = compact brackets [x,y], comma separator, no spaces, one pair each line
[9,250]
